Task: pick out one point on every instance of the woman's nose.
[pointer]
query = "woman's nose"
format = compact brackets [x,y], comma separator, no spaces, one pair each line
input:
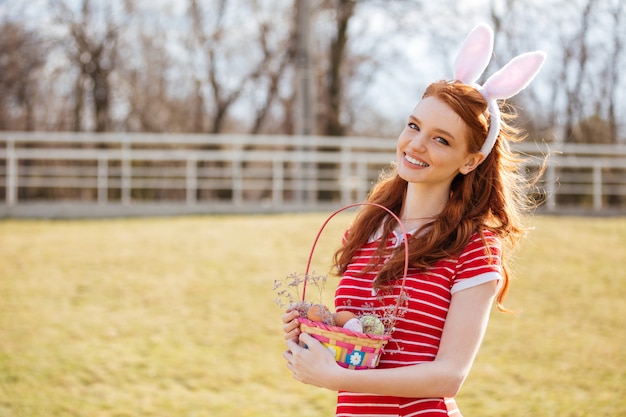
[418,142]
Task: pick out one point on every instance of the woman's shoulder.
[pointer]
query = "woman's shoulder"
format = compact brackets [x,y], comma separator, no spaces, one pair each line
[485,240]
[485,236]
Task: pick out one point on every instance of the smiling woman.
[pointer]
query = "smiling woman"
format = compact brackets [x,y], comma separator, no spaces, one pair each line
[456,187]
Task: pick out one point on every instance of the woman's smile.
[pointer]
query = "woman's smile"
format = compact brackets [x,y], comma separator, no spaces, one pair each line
[414,161]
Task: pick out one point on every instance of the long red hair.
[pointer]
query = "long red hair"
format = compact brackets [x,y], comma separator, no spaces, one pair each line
[491,197]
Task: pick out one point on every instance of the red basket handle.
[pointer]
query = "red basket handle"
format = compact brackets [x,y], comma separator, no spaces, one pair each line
[406,247]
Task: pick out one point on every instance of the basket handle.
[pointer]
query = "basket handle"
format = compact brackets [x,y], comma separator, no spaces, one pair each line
[406,247]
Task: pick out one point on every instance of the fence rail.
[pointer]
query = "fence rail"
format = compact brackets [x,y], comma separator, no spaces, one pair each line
[79,175]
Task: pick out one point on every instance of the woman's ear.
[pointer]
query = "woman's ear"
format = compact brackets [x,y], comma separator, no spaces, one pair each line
[472,161]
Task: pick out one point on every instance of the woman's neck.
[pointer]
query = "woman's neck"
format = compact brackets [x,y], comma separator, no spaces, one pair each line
[420,208]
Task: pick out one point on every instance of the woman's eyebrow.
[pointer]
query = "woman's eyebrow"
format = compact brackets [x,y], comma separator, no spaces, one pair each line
[442,132]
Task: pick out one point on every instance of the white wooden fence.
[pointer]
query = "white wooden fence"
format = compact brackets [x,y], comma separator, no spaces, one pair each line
[91,175]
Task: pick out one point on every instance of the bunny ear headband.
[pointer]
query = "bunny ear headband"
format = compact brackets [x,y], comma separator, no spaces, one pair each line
[472,61]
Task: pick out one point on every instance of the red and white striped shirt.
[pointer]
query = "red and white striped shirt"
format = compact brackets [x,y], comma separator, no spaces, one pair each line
[418,332]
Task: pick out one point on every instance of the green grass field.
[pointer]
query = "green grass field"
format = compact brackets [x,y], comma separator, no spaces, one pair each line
[174,317]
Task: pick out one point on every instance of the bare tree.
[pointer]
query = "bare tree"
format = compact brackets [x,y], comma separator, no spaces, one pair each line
[207,38]
[577,50]
[92,48]
[614,65]
[22,55]
[354,54]
[151,107]
[277,57]
[590,73]
[344,11]
[380,70]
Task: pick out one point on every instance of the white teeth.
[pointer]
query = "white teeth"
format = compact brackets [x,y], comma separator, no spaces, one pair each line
[415,161]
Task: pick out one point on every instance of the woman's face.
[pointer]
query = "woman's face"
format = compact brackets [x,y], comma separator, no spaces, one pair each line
[432,148]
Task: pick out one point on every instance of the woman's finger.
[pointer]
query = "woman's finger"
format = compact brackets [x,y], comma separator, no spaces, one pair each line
[290,316]
[291,326]
[310,341]
[293,336]
[292,331]
[293,347]
[288,355]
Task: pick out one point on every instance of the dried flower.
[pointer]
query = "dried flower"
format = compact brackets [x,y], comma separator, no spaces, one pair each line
[289,290]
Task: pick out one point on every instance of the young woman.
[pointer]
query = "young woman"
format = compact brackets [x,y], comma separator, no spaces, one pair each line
[458,190]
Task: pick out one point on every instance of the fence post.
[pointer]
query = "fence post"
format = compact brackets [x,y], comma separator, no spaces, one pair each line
[597,186]
[191,180]
[278,178]
[237,175]
[551,187]
[361,185]
[345,174]
[311,178]
[11,184]
[103,179]
[126,172]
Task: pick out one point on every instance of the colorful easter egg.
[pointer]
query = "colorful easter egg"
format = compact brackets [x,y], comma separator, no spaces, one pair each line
[372,325]
[354,324]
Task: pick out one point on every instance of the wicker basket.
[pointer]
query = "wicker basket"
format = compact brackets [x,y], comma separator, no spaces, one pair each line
[352,349]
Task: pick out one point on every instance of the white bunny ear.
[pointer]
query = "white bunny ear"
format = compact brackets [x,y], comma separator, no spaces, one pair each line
[474,55]
[471,62]
[514,76]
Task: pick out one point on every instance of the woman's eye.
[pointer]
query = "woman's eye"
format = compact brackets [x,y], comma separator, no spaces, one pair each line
[442,140]
[413,126]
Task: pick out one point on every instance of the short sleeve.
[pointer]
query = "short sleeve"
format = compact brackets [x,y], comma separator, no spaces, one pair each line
[480,262]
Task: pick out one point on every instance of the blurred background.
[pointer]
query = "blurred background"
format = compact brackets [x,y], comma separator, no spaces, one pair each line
[234,84]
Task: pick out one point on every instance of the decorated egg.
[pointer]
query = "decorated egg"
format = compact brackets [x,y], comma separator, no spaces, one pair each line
[372,325]
[354,324]
[342,317]
[321,313]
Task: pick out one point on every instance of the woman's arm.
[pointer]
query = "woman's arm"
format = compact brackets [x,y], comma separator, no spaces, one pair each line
[462,335]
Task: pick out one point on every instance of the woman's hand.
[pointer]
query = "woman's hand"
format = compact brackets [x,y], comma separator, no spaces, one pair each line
[291,326]
[313,364]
